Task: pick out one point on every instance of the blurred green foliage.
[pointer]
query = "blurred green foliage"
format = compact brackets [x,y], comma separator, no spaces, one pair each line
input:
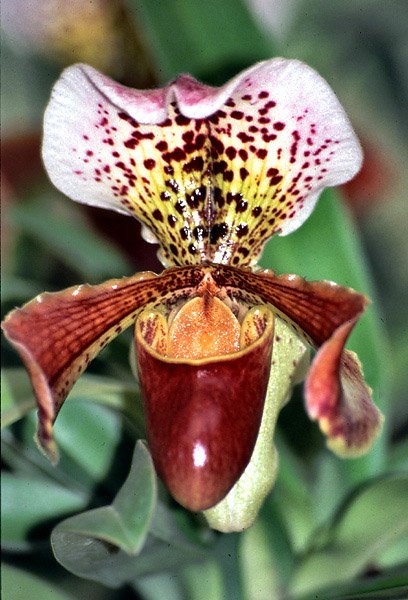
[330,529]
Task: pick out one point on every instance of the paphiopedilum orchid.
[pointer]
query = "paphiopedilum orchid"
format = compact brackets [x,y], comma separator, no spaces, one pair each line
[212,173]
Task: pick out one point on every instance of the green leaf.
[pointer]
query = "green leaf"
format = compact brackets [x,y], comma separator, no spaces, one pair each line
[397,459]
[97,545]
[25,88]
[292,498]
[16,289]
[210,35]
[17,398]
[135,509]
[25,461]
[395,555]
[399,358]
[88,435]
[116,394]
[28,503]
[166,547]
[89,543]
[160,586]
[19,585]
[329,487]
[226,553]
[389,585]
[203,581]
[160,556]
[62,228]
[260,569]
[372,520]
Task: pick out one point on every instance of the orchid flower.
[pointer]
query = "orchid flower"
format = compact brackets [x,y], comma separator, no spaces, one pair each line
[212,174]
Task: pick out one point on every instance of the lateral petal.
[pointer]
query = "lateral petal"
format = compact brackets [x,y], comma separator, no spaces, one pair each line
[339,399]
[314,308]
[323,313]
[58,334]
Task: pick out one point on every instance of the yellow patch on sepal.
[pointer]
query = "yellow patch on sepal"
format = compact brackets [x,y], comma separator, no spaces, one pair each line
[339,446]
[253,325]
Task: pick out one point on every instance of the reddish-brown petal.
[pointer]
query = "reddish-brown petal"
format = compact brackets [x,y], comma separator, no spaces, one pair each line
[315,308]
[58,334]
[203,416]
[324,313]
[341,404]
